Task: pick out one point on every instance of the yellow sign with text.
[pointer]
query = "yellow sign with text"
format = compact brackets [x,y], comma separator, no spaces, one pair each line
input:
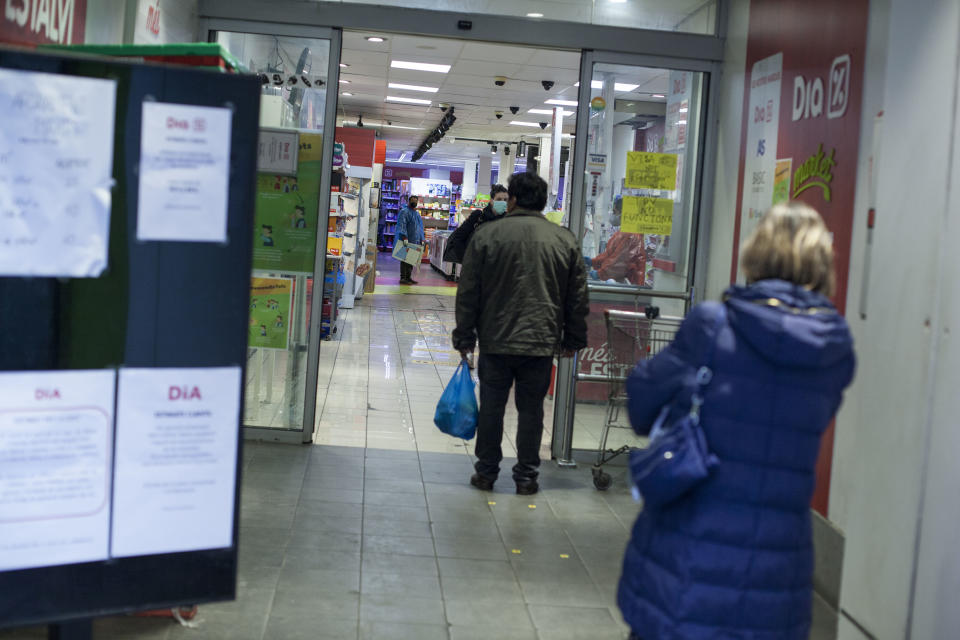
[647,215]
[647,170]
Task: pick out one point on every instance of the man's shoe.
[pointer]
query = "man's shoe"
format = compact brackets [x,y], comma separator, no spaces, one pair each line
[482,483]
[527,488]
[404,282]
[411,281]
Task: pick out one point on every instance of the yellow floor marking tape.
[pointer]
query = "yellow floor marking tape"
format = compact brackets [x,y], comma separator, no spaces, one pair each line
[516,551]
[407,290]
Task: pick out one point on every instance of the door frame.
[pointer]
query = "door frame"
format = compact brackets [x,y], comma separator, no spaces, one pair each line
[567,375]
[596,43]
[208,29]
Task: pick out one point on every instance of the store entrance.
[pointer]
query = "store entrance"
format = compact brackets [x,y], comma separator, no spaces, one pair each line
[446,119]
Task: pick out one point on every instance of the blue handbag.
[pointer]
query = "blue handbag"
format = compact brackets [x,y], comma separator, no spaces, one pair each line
[678,458]
[457,411]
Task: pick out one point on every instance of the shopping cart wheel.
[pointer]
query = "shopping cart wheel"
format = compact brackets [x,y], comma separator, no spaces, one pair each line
[601,479]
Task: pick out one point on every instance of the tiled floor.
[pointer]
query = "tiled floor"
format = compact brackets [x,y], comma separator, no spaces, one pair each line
[348,542]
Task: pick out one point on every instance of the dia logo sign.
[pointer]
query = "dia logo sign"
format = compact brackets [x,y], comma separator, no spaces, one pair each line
[808,94]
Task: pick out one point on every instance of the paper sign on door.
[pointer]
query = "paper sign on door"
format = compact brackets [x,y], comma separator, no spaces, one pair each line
[184,173]
[56,435]
[176,460]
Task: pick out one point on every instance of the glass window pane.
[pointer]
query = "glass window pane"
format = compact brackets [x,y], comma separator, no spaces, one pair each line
[640,181]
[644,125]
[293,97]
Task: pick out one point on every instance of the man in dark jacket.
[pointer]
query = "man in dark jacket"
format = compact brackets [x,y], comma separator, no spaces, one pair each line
[523,293]
[459,239]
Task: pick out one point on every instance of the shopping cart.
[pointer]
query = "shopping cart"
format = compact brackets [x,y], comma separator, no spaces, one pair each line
[631,337]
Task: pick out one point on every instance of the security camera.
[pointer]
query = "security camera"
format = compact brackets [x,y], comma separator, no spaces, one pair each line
[514,110]
[543,125]
[499,81]
[547,84]
[499,114]
[506,151]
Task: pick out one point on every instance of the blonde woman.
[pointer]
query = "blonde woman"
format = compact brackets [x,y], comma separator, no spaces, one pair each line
[733,558]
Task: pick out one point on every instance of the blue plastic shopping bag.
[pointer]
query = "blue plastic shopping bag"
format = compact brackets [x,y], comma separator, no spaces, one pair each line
[457,410]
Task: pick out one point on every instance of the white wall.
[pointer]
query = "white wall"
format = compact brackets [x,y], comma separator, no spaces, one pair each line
[178,22]
[896,480]
[722,215]
[105,21]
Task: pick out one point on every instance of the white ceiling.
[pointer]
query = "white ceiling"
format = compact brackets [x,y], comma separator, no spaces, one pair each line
[469,87]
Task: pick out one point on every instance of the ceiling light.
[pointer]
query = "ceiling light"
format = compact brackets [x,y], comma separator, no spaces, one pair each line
[374,39]
[402,126]
[622,87]
[520,123]
[618,1]
[420,66]
[413,87]
[684,110]
[342,81]
[681,122]
[406,100]
[658,95]
[534,15]
[562,103]
[344,65]
[346,94]
[549,112]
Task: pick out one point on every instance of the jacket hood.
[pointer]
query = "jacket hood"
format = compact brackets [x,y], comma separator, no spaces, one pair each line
[788,324]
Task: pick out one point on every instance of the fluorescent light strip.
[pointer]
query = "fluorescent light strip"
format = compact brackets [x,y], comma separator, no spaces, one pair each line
[562,103]
[549,112]
[412,87]
[620,87]
[402,126]
[406,100]
[657,95]
[520,123]
[420,66]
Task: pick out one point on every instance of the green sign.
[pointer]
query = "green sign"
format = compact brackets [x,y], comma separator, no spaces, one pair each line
[270,300]
[285,219]
[816,171]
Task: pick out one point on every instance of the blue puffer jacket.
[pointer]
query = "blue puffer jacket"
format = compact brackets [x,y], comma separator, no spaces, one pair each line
[733,559]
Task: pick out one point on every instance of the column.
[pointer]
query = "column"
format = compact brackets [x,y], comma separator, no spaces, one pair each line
[484,173]
[469,179]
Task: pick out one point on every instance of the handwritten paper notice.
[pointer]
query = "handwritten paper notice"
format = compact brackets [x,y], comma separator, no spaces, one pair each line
[176,468]
[56,165]
[56,435]
[646,170]
[647,215]
[184,173]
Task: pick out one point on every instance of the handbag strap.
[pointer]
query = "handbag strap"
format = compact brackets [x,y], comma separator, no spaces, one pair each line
[705,372]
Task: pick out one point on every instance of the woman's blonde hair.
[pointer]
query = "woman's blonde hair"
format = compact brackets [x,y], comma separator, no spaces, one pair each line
[791,243]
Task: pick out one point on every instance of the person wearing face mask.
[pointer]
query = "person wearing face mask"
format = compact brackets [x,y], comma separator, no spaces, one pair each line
[457,243]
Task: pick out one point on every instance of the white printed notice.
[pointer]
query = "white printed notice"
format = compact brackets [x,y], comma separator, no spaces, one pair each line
[55,442]
[176,460]
[184,173]
[56,167]
[760,155]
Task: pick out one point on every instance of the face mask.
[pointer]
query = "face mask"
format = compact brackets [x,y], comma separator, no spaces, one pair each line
[499,207]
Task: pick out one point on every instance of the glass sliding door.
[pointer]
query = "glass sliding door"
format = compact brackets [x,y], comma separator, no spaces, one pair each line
[635,207]
[298,69]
